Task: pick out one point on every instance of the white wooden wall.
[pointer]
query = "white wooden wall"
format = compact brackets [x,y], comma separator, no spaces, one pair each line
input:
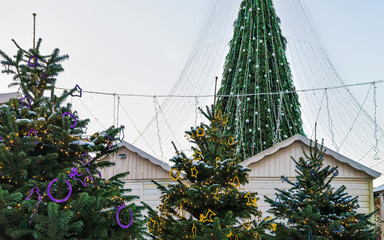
[146,190]
[137,166]
[141,172]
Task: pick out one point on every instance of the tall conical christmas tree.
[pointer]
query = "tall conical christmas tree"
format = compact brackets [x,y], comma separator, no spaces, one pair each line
[49,185]
[255,65]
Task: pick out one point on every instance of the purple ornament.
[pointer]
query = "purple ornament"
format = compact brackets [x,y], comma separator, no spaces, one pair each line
[29,61]
[109,143]
[89,157]
[28,99]
[80,90]
[117,216]
[74,174]
[60,200]
[32,191]
[29,134]
[67,113]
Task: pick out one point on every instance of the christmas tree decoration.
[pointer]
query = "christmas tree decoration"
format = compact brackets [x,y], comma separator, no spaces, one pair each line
[34,61]
[78,88]
[117,216]
[28,99]
[260,95]
[44,152]
[206,201]
[74,118]
[59,200]
[313,209]
[171,175]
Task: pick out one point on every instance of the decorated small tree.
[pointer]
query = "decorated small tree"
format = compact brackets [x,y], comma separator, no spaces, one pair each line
[313,209]
[50,187]
[205,201]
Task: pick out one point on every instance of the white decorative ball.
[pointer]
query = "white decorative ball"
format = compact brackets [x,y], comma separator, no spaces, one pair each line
[247,120]
[261,41]
[250,130]
[230,70]
[269,110]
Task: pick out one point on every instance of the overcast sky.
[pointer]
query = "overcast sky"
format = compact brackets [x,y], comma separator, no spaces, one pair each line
[141,46]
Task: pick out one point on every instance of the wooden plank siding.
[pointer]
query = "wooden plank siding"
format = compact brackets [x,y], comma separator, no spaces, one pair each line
[137,166]
[141,172]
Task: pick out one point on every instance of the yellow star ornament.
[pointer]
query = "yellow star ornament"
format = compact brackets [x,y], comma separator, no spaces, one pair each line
[194,170]
[197,155]
[154,222]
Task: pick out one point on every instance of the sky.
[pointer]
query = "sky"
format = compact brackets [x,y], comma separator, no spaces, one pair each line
[141,46]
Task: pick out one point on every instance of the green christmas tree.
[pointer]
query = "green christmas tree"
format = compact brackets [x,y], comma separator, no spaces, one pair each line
[50,187]
[313,209]
[205,202]
[255,66]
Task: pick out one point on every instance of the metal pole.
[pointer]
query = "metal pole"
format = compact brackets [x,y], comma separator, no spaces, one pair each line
[34,28]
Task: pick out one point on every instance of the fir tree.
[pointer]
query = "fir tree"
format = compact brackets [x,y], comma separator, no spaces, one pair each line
[257,64]
[205,202]
[41,140]
[313,209]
